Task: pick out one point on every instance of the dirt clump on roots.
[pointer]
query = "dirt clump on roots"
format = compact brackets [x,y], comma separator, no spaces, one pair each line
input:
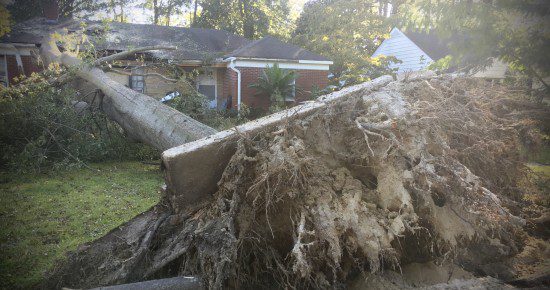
[423,171]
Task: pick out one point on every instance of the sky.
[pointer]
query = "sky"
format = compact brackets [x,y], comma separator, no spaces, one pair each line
[136,14]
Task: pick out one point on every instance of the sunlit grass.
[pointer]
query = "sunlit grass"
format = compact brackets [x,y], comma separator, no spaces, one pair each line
[42,217]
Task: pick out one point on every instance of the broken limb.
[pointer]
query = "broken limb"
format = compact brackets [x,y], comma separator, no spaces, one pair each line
[131,52]
[144,75]
[144,118]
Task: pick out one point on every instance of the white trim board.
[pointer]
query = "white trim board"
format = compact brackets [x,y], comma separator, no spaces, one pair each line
[5,68]
[287,65]
[11,51]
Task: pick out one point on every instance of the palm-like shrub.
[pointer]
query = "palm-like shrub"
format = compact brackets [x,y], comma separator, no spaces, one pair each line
[275,82]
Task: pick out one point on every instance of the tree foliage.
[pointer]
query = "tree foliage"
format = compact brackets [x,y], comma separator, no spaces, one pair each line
[164,11]
[5,20]
[44,125]
[277,83]
[249,18]
[22,10]
[347,32]
[197,106]
[517,32]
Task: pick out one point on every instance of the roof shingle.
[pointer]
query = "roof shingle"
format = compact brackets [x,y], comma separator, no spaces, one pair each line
[272,48]
[191,43]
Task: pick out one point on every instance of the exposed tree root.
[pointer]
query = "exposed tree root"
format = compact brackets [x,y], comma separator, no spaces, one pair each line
[415,172]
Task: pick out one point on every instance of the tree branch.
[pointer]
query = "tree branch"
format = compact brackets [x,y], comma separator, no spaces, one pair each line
[141,116]
[539,77]
[131,52]
[144,75]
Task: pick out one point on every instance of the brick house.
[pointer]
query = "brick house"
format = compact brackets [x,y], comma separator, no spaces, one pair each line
[226,63]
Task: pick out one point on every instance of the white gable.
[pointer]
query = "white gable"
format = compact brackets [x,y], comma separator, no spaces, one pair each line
[400,46]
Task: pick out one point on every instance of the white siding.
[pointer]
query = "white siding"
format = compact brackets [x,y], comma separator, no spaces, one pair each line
[400,46]
[497,70]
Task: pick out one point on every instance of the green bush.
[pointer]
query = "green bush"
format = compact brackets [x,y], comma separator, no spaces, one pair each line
[40,128]
[196,106]
[277,83]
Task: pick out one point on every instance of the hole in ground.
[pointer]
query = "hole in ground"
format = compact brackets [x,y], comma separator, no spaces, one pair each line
[365,174]
[438,198]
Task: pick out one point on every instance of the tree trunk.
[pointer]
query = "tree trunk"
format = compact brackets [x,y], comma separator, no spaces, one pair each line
[169,11]
[142,117]
[195,14]
[155,12]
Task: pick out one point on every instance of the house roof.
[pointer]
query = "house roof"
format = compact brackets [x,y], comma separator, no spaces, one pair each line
[191,43]
[272,48]
[430,43]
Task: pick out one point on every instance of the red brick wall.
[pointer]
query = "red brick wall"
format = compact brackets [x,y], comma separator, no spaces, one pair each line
[230,86]
[29,65]
[250,75]
[306,81]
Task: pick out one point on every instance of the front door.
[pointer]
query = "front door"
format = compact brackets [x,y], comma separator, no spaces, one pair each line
[206,85]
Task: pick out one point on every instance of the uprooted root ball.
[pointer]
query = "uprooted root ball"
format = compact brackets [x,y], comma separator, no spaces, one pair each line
[353,187]
[414,172]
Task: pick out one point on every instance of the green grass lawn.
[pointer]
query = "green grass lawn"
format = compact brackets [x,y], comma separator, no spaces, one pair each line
[544,170]
[44,216]
[540,176]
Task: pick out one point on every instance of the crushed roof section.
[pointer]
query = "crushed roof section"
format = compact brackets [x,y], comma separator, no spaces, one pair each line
[272,48]
[191,43]
[32,31]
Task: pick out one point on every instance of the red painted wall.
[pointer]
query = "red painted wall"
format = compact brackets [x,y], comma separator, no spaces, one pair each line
[29,65]
[306,81]
[230,86]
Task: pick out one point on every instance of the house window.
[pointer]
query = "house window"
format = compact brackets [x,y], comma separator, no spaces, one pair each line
[292,96]
[206,85]
[137,80]
[3,71]
[208,90]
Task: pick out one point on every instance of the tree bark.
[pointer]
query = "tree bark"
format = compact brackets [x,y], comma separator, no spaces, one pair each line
[124,54]
[142,117]
[195,13]
[155,12]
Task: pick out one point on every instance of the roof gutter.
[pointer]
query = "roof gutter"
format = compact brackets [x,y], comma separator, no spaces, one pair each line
[284,60]
[17,56]
[231,61]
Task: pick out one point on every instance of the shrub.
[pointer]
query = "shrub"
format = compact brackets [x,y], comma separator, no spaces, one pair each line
[196,106]
[277,83]
[44,126]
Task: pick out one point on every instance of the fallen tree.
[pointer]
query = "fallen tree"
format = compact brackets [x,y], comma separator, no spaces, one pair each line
[367,181]
[142,117]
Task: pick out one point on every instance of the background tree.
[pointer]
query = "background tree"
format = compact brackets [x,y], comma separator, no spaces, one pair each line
[164,11]
[517,32]
[5,18]
[249,18]
[347,32]
[22,10]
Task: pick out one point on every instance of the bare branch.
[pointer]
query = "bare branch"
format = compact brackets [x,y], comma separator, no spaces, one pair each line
[131,52]
[145,75]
